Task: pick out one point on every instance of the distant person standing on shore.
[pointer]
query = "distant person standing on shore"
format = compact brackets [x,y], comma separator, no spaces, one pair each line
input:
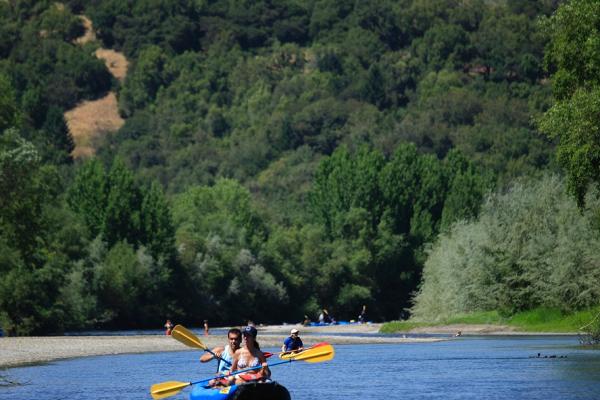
[205,327]
[168,327]
[306,320]
[362,317]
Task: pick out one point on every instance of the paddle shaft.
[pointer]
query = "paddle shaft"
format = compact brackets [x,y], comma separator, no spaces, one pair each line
[266,354]
[241,371]
[217,357]
[188,338]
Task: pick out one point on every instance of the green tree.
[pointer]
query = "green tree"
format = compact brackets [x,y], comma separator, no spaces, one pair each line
[518,254]
[57,21]
[9,112]
[466,189]
[143,81]
[123,282]
[88,195]
[158,233]
[573,54]
[31,269]
[59,141]
[399,184]
[26,186]
[122,218]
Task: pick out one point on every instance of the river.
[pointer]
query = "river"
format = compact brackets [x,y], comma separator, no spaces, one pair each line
[485,367]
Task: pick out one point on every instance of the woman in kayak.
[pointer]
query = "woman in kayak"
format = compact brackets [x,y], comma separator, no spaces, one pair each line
[248,356]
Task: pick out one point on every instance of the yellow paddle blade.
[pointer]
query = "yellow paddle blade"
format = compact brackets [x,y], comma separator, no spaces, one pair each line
[286,355]
[315,355]
[167,389]
[187,337]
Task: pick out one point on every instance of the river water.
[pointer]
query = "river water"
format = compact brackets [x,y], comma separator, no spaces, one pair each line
[464,368]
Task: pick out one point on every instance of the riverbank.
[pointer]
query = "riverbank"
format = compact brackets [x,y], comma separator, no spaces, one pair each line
[539,321]
[17,351]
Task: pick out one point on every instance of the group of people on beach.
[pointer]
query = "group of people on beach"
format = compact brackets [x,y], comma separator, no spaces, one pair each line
[243,352]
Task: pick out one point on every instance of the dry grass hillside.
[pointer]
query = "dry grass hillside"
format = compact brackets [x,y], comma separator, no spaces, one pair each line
[89,35]
[115,62]
[91,119]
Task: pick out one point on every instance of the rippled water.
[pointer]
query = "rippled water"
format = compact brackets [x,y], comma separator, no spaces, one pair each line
[466,368]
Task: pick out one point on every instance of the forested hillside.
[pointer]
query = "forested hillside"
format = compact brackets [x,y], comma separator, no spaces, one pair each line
[277,157]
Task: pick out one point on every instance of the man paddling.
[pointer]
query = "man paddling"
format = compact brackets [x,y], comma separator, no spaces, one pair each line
[292,342]
[234,337]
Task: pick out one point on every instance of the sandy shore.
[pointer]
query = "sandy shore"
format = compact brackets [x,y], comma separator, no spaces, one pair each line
[16,351]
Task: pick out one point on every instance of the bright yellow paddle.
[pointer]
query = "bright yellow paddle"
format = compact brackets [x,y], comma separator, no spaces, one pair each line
[312,355]
[188,338]
[286,355]
[167,389]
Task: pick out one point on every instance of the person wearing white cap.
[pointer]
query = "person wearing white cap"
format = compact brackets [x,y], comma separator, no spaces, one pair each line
[292,342]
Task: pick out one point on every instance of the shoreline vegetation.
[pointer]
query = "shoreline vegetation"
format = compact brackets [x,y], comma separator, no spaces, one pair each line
[536,321]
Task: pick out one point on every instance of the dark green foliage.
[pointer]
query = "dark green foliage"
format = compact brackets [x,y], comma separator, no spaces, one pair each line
[156,224]
[44,61]
[88,195]
[115,207]
[508,46]
[309,152]
[245,99]
[59,143]
[378,214]
[123,204]
[572,56]
[218,233]
[26,186]
[130,26]
[131,269]
[443,46]
[466,189]
[9,111]
[31,273]
[58,22]
[143,81]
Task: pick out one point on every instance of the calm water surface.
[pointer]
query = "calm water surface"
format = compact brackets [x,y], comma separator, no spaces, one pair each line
[466,368]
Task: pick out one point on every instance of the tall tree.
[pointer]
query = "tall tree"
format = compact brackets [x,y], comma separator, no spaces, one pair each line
[88,195]
[31,270]
[158,233]
[573,54]
[59,142]
[122,217]
[9,113]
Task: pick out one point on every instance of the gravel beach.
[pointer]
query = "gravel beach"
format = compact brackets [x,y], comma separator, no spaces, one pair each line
[16,351]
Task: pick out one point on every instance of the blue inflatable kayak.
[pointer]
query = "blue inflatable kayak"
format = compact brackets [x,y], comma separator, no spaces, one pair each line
[247,391]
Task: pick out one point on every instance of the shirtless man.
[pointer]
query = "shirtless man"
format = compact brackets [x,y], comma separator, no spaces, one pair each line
[234,337]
